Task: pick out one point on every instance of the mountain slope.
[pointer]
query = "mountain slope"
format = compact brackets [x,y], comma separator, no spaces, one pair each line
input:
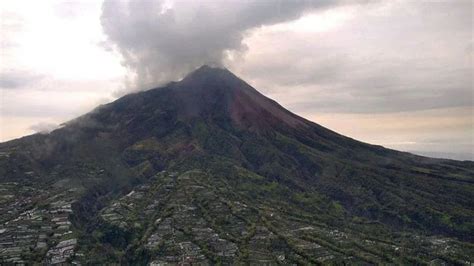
[208,170]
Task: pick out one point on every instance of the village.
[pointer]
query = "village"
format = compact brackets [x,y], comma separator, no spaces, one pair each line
[178,218]
[35,232]
[187,222]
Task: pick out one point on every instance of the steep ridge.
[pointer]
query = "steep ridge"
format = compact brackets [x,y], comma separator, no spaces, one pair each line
[208,170]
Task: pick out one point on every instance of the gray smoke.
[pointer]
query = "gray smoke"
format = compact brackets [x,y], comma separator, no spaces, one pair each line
[163,40]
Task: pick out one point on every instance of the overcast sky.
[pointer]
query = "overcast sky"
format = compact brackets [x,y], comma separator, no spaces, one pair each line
[394,73]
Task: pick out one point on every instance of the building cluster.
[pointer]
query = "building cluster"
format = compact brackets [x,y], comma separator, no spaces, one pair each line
[35,225]
[185,219]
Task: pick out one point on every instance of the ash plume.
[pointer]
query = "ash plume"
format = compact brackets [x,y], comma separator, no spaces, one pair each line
[163,40]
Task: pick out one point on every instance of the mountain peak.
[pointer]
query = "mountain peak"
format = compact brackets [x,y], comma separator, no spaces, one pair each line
[213,90]
[228,176]
[208,74]
[208,68]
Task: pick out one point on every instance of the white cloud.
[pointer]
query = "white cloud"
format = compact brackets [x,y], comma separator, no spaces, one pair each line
[163,40]
[43,127]
[53,67]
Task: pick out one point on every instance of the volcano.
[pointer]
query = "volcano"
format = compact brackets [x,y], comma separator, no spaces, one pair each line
[207,170]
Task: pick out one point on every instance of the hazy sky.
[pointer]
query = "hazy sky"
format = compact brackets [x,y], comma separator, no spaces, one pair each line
[394,73]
